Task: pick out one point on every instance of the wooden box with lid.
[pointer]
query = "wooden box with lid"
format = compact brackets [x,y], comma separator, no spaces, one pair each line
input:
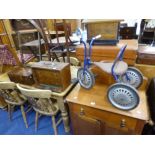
[21,75]
[55,76]
[107,28]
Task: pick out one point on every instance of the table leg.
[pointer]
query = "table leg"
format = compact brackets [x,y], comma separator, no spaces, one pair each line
[64,114]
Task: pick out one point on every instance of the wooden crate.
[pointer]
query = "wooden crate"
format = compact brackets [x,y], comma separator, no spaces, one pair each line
[107,28]
[55,76]
[100,53]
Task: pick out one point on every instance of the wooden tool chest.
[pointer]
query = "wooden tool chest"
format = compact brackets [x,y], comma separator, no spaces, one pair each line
[52,75]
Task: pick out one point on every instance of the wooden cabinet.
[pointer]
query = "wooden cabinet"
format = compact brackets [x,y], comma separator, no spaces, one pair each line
[86,120]
[92,114]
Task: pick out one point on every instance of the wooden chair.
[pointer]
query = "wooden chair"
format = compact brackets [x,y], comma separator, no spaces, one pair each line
[42,103]
[13,98]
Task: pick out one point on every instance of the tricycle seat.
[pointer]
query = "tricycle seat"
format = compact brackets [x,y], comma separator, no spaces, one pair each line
[119,69]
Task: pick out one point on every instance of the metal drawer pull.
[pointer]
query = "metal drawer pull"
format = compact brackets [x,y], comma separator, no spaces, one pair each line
[123,123]
[82,111]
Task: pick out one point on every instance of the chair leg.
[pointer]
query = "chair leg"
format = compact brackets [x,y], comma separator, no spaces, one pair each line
[36,121]
[54,125]
[24,115]
[9,112]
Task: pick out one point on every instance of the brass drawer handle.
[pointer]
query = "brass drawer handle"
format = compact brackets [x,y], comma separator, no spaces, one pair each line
[122,123]
[82,111]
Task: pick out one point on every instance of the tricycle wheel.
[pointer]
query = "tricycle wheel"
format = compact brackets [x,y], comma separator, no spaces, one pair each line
[86,78]
[123,96]
[135,77]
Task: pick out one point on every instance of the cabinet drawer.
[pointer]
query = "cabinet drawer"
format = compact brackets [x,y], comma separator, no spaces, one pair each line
[120,122]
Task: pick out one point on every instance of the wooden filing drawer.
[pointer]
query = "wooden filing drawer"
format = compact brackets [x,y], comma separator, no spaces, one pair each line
[110,123]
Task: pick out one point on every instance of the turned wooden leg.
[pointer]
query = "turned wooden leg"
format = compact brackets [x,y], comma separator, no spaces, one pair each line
[36,121]
[9,112]
[64,114]
[54,125]
[24,115]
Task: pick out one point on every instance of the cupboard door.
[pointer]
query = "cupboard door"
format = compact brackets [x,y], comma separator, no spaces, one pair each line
[84,125]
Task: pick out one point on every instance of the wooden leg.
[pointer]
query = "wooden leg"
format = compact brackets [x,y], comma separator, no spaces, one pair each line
[24,115]
[54,125]
[9,112]
[64,114]
[36,121]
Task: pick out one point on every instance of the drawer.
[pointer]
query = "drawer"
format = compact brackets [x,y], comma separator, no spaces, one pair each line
[113,120]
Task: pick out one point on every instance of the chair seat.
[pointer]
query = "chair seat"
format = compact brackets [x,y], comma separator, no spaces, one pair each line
[44,108]
[15,99]
[119,69]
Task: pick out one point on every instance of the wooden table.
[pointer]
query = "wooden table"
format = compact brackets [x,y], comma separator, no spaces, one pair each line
[100,53]
[92,113]
[62,41]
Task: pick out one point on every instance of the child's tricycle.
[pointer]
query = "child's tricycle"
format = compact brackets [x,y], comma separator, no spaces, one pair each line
[122,94]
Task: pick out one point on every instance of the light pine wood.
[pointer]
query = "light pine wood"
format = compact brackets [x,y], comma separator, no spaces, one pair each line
[54,125]
[41,103]
[24,115]
[9,89]
[36,121]
[3,104]
[9,31]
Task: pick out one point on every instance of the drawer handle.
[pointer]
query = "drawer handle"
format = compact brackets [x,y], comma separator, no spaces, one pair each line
[123,123]
[82,111]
